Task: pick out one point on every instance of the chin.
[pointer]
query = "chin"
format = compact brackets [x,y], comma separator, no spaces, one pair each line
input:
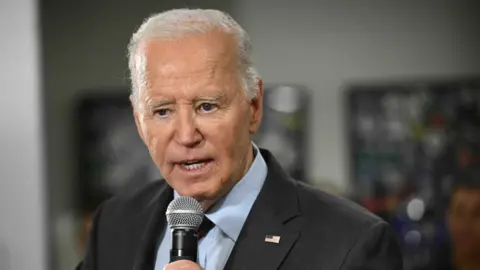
[200,191]
[205,195]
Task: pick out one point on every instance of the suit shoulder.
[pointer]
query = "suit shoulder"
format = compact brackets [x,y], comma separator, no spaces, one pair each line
[324,207]
[133,201]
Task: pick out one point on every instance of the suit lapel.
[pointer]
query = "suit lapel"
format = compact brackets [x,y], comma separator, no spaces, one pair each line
[155,219]
[274,215]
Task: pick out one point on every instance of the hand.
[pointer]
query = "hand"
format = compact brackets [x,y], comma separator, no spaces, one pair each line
[183,264]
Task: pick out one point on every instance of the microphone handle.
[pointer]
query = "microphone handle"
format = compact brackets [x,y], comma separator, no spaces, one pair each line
[184,245]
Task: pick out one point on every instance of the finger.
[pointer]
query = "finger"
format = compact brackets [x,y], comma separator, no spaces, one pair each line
[182,264]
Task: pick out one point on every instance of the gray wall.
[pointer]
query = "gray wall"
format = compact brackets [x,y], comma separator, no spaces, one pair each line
[22,197]
[322,44]
[328,44]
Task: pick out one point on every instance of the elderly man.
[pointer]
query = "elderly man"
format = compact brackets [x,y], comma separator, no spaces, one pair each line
[197,99]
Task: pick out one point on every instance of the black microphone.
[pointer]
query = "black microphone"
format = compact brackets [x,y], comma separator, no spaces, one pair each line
[184,216]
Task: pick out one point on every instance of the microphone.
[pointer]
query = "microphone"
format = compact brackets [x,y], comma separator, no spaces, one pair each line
[184,216]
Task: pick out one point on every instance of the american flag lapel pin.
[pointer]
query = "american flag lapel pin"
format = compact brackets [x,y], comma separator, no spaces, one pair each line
[272,238]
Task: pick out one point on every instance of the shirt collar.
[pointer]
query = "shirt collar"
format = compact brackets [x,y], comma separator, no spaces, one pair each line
[230,212]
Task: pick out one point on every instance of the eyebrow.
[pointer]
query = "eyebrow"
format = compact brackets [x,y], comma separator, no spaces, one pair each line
[158,103]
[217,97]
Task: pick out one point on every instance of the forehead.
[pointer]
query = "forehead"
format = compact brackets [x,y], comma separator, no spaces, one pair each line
[191,55]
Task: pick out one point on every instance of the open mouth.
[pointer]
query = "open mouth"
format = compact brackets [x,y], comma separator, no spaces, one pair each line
[195,164]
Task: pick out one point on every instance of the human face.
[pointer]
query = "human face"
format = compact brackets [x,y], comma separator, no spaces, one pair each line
[464,221]
[193,115]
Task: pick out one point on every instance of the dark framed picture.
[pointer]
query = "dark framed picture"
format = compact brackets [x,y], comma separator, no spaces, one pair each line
[285,127]
[111,155]
[408,141]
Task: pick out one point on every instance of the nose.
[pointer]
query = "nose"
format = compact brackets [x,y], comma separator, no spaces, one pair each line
[186,131]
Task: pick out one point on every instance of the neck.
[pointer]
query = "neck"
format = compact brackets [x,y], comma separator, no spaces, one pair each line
[207,204]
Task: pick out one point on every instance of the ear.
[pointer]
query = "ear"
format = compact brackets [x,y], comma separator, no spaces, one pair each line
[256,108]
[136,117]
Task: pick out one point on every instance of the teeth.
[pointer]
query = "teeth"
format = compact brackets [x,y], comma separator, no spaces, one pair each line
[194,166]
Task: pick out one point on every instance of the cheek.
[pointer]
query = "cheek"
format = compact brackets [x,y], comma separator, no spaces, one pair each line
[226,134]
[228,138]
[156,142]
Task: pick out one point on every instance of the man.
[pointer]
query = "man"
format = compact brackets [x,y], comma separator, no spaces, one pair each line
[197,99]
[464,226]
[463,222]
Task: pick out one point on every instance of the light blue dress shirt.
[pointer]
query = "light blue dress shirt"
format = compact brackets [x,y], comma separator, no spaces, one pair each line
[228,215]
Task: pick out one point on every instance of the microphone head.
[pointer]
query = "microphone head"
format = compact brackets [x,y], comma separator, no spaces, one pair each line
[184,212]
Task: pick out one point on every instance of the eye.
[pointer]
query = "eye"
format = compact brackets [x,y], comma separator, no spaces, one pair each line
[162,112]
[207,107]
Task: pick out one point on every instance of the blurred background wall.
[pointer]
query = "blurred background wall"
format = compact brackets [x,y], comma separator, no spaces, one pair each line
[323,45]
[327,45]
[23,234]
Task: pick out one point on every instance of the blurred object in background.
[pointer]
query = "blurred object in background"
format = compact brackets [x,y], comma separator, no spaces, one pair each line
[462,250]
[112,157]
[407,141]
[284,126]
[464,222]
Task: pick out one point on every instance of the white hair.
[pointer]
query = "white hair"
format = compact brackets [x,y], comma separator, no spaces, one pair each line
[181,22]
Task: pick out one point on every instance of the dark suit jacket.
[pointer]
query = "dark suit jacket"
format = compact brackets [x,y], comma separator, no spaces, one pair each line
[317,230]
